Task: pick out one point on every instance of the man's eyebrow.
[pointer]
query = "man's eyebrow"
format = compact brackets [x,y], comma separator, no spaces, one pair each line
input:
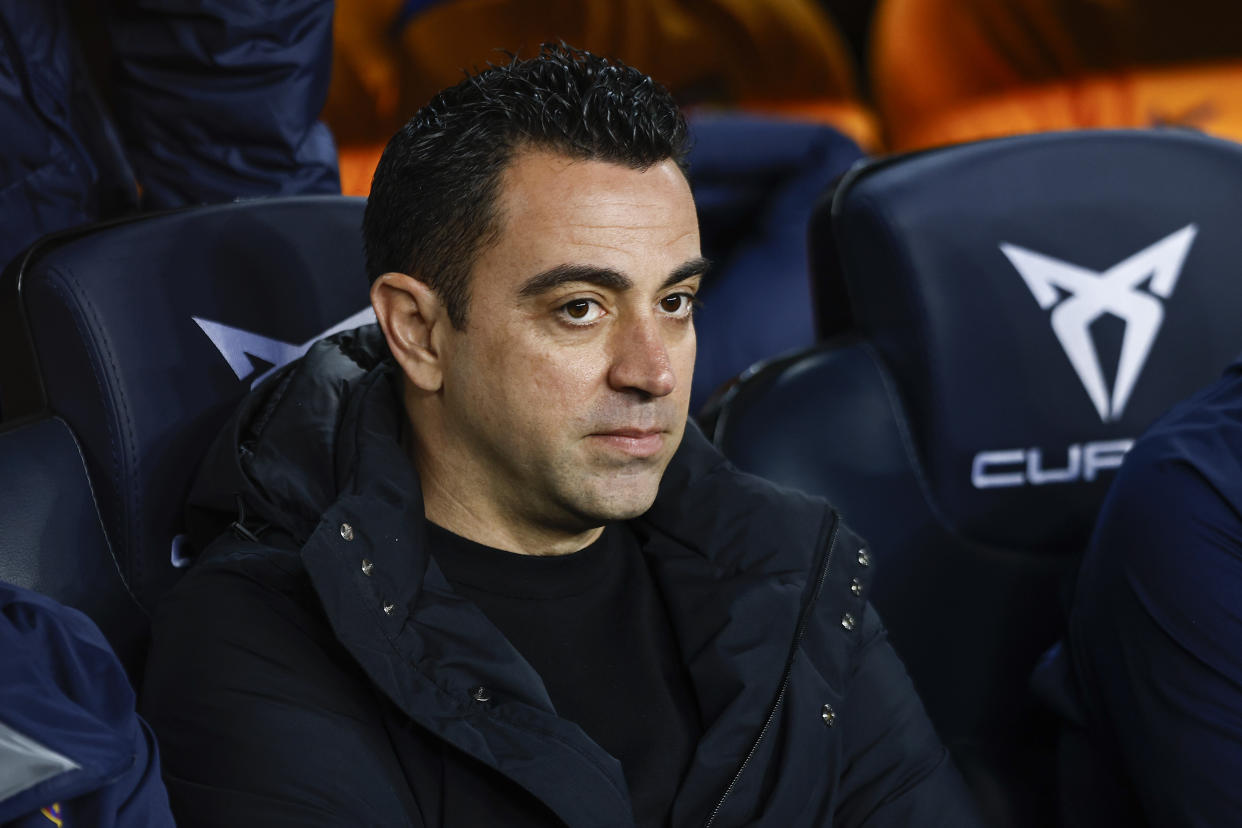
[697,266]
[552,278]
[604,277]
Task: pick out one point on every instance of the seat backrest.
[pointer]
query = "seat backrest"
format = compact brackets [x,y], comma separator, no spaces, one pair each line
[1019,311]
[51,537]
[142,336]
[1039,301]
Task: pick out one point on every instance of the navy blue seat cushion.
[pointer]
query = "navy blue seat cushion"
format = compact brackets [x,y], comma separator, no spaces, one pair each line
[143,335]
[1039,300]
[51,537]
[756,182]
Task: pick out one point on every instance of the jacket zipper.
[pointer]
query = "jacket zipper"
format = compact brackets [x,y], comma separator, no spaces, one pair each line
[799,634]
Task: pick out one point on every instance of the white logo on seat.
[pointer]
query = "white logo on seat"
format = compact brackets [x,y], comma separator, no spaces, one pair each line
[1114,291]
[238,346]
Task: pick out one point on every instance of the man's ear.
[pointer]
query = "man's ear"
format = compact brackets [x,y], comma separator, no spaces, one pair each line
[412,318]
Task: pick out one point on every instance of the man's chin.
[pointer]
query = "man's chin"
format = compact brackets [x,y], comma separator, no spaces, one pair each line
[609,505]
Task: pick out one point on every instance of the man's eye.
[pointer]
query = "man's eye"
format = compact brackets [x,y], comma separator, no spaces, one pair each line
[582,311]
[677,304]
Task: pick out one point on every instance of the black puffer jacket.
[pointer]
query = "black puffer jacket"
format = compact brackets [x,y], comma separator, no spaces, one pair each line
[322,672]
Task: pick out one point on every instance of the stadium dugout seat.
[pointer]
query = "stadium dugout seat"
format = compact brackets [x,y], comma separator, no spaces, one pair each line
[1005,317]
[140,336]
[51,537]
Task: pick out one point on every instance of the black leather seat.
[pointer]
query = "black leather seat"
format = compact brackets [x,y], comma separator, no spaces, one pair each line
[1005,318]
[142,335]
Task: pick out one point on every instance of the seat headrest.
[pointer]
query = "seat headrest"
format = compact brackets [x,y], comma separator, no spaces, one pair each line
[145,334]
[755,182]
[1039,301]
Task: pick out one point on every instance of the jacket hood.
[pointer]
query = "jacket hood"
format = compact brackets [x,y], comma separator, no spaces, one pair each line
[279,462]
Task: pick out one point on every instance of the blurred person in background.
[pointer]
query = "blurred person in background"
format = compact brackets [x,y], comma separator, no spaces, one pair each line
[110,106]
[946,71]
[1155,630]
[782,59]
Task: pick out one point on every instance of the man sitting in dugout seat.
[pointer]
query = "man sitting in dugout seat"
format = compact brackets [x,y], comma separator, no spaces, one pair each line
[483,572]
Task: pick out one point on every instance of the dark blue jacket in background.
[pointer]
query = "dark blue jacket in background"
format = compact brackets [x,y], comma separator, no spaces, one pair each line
[61,160]
[70,741]
[1156,629]
[220,99]
[210,101]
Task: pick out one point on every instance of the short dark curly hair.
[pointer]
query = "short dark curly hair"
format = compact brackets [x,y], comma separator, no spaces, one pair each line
[433,207]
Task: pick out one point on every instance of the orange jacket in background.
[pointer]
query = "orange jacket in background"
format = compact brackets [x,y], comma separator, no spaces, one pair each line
[782,57]
[953,70]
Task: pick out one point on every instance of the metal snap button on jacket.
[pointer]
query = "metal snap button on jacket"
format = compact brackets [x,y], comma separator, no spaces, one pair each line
[480,694]
[829,715]
[367,566]
[347,531]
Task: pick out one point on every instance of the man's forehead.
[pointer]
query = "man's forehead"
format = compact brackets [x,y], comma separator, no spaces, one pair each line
[617,194]
[558,212]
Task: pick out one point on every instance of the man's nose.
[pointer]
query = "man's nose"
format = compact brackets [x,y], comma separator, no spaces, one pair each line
[640,360]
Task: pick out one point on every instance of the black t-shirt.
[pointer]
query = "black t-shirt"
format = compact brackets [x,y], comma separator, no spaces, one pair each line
[593,625]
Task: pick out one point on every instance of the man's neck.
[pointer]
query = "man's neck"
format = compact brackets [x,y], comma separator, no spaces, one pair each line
[476,524]
[466,509]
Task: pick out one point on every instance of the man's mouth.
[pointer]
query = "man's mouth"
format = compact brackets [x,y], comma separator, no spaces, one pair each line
[636,442]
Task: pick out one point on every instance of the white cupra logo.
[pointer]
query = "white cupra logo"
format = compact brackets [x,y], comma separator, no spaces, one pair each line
[1078,296]
[238,346]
